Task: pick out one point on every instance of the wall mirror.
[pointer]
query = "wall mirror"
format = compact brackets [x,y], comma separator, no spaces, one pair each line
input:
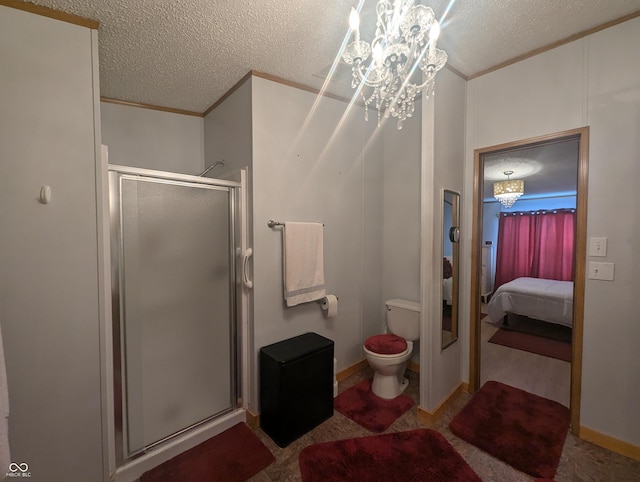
[450,263]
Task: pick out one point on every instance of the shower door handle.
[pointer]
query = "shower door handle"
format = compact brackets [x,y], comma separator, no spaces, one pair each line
[245,270]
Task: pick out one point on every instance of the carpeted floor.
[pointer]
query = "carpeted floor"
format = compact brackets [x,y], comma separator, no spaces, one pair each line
[580,461]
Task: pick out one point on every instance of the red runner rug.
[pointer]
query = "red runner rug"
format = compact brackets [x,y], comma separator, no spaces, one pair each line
[233,456]
[539,345]
[524,430]
[372,412]
[420,455]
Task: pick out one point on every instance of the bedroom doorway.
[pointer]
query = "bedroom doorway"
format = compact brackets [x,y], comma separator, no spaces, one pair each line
[481,287]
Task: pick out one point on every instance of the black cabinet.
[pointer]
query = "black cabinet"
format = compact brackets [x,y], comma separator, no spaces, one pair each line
[296,386]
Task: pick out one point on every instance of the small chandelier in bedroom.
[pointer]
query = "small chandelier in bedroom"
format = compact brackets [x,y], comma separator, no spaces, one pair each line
[508,192]
[405,40]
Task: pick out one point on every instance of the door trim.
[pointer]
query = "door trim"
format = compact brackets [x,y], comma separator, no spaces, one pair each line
[582,134]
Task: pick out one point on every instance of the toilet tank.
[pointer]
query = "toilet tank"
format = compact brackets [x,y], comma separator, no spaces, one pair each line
[403,318]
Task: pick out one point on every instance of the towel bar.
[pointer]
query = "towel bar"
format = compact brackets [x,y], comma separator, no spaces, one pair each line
[272,224]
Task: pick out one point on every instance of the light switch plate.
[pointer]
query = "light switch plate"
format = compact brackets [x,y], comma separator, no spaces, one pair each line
[602,271]
[598,247]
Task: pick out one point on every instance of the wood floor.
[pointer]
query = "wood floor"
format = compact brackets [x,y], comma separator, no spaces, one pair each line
[541,375]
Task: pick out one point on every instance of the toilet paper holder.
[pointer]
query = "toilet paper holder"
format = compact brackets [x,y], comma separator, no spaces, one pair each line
[323,301]
[329,305]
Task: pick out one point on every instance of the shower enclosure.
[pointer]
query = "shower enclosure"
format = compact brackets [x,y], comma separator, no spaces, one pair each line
[175,240]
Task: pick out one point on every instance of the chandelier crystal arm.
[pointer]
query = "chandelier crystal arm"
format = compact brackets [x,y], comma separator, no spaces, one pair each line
[404,44]
[382,12]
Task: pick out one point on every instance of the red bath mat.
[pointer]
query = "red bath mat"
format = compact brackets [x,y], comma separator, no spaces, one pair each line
[233,456]
[372,412]
[524,430]
[415,456]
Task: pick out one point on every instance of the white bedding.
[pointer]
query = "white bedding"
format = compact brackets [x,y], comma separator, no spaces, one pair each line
[447,290]
[447,285]
[541,299]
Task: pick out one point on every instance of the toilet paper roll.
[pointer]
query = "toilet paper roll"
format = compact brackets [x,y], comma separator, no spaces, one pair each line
[330,305]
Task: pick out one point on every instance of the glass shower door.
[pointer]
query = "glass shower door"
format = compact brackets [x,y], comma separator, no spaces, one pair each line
[176,274]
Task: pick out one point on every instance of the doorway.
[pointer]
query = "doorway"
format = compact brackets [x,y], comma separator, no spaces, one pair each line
[581,136]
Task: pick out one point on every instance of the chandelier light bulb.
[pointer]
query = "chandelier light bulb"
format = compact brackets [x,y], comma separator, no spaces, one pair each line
[378,53]
[434,33]
[354,23]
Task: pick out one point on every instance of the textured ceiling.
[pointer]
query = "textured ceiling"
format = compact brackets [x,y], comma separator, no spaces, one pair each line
[185,54]
[550,169]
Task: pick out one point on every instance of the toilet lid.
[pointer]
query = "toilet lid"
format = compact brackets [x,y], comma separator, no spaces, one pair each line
[388,344]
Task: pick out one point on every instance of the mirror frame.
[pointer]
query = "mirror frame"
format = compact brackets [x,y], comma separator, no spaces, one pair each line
[453,234]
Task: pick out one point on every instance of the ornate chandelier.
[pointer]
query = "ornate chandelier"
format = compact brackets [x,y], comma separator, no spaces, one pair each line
[508,192]
[405,40]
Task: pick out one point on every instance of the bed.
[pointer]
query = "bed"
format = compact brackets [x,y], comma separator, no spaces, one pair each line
[541,299]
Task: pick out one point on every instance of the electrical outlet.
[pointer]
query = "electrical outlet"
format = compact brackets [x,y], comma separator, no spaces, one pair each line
[598,247]
[602,271]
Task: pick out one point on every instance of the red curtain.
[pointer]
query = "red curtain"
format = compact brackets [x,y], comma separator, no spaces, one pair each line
[535,244]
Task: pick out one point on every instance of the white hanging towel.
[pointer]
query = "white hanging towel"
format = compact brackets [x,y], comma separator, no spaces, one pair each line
[303,262]
[5,455]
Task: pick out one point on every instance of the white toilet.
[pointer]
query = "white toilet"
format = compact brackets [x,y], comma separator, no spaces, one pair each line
[388,354]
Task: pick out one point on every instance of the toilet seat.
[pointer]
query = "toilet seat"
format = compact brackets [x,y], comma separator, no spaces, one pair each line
[386,345]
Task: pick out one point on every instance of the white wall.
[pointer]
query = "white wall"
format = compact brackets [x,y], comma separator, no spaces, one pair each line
[49,303]
[228,136]
[550,89]
[153,139]
[441,371]
[594,81]
[490,221]
[340,183]
[227,133]
[610,383]
[401,212]
[312,164]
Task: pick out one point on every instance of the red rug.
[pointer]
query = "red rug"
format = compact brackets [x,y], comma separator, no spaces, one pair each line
[233,456]
[539,345]
[372,412]
[524,430]
[415,456]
